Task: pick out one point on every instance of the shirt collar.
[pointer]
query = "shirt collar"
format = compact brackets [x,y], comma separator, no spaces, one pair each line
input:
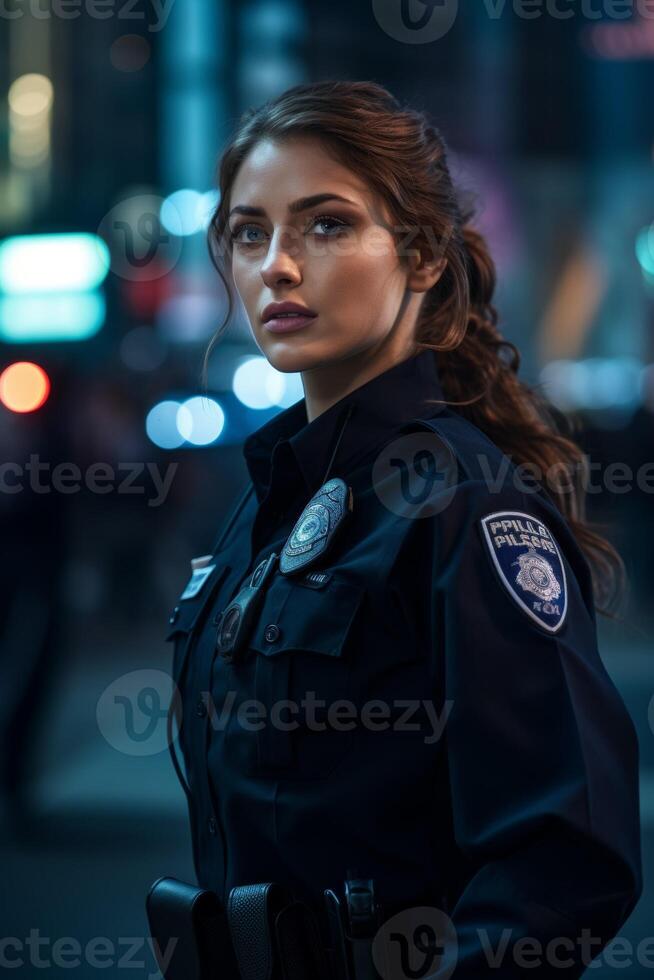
[378,407]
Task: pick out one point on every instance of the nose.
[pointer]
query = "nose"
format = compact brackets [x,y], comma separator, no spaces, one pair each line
[280,263]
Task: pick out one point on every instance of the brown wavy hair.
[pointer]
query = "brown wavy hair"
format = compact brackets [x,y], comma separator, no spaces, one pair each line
[403,157]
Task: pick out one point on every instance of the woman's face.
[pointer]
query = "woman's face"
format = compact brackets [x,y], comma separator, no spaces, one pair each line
[335,257]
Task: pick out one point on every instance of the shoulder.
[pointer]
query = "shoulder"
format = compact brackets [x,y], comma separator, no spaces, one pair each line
[495,519]
[481,476]
[477,456]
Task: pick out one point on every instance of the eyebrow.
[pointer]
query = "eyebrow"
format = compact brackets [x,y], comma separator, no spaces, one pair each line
[302,204]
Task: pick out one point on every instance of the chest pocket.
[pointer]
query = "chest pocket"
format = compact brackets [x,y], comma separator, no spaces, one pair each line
[305,642]
[187,615]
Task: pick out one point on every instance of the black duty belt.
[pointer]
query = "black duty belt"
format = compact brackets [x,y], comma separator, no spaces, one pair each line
[263,933]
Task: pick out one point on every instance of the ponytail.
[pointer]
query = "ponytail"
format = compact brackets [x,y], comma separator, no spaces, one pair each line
[516,417]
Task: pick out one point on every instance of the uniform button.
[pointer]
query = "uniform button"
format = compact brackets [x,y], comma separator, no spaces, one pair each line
[174,615]
[272,632]
[213,826]
[200,709]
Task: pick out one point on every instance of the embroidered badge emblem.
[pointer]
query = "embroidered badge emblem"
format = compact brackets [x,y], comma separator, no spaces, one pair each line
[529,565]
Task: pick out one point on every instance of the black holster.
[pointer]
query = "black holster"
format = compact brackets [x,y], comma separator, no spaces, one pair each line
[190,932]
[262,934]
[274,936]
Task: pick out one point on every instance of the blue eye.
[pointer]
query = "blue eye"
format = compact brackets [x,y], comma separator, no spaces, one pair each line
[336,225]
[324,219]
[234,235]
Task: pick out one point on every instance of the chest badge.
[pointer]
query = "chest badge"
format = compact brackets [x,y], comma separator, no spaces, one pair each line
[529,564]
[316,526]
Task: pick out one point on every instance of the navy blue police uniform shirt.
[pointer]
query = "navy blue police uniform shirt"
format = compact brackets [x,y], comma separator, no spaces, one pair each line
[481,760]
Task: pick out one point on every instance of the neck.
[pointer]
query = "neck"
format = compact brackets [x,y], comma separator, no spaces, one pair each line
[327,384]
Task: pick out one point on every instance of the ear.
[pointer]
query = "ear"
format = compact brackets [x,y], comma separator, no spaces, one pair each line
[424,274]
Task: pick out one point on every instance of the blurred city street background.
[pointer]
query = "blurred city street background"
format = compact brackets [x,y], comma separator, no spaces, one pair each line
[115,473]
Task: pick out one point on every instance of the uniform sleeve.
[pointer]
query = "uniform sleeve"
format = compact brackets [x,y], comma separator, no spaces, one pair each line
[542,755]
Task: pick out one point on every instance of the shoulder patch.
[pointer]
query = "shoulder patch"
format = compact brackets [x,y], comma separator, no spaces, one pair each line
[529,564]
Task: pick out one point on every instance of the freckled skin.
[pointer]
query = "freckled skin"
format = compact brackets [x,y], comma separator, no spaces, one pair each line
[367,301]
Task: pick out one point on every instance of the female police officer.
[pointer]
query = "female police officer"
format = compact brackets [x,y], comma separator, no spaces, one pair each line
[388,661]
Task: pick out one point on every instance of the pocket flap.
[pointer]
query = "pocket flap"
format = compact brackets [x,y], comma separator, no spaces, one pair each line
[295,617]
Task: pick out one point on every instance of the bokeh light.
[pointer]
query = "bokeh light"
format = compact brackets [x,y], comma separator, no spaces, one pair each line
[24,386]
[53,263]
[257,384]
[200,420]
[128,53]
[30,95]
[161,425]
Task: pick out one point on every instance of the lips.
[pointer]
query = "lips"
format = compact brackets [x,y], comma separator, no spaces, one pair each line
[275,310]
[288,323]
